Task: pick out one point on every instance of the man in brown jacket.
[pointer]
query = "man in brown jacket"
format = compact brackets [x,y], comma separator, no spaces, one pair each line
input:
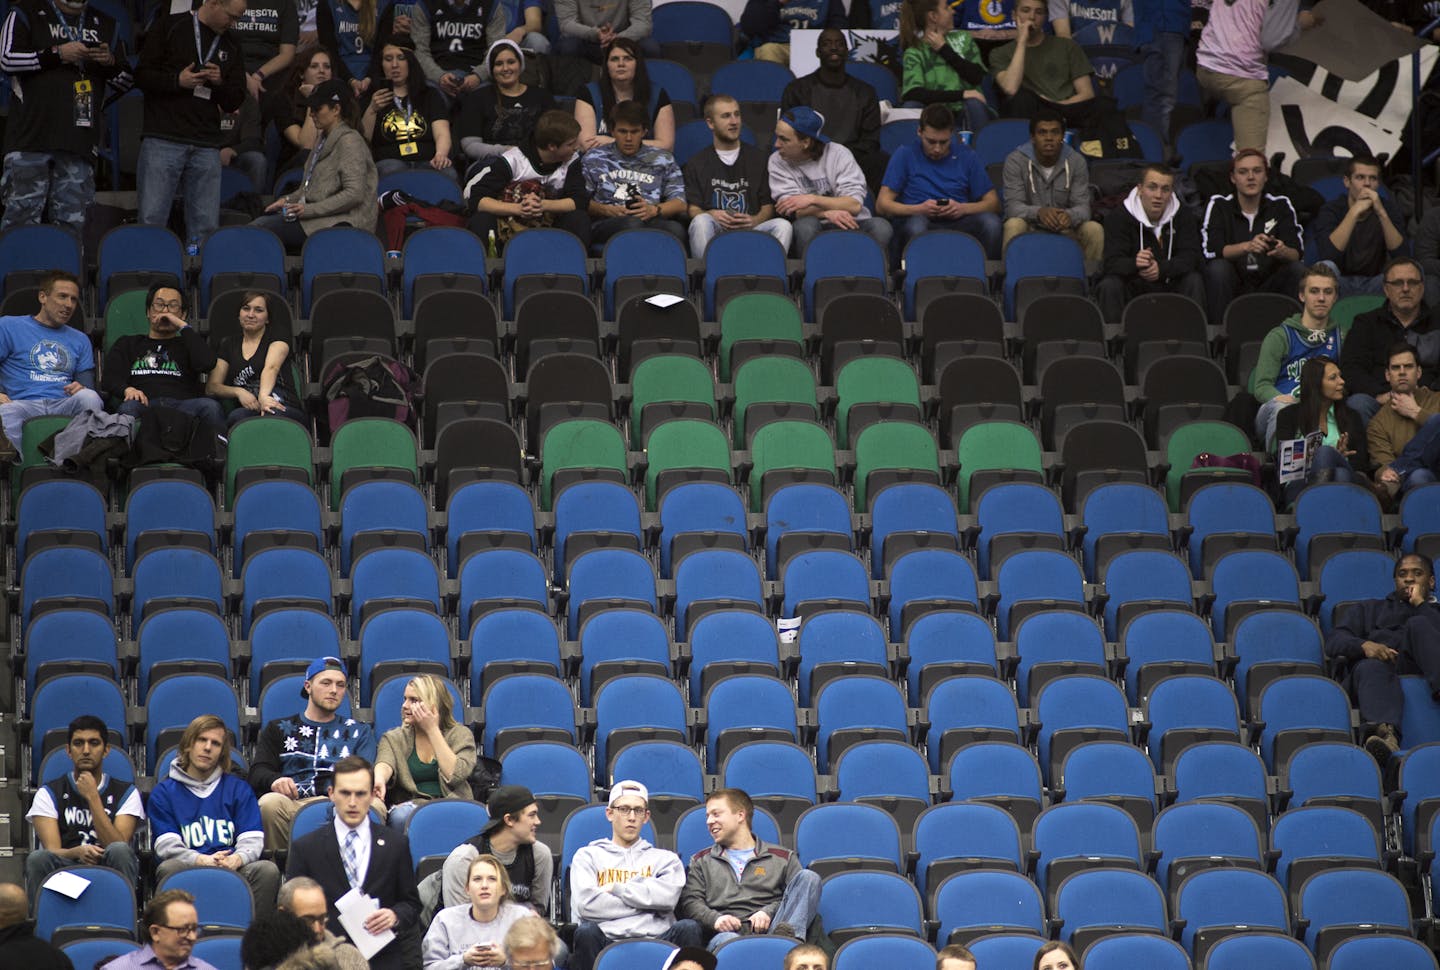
[1404,436]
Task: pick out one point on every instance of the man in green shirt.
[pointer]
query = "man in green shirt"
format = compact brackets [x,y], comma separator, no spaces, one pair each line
[1038,69]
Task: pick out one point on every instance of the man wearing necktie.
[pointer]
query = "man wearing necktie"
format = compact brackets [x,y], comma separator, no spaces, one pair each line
[356,853]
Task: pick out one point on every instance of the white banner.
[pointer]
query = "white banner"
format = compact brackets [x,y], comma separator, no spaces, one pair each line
[1383,96]
[1305,123]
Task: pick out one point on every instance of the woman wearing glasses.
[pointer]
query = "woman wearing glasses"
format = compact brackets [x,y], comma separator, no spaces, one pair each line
[473,934]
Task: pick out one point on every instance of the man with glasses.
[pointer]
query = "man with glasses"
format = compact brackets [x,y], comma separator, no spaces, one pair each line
[304,898]
[192,72]
[623,887]
[296,755]
[355,853]
[1403,317]
[165,366]
[170,927]
[531,944]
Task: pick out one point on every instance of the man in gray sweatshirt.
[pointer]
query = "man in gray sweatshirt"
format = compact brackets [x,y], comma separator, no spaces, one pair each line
[623,887]
[1047,187]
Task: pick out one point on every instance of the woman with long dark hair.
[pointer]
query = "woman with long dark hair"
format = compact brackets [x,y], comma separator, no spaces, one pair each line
[1056,955]
[252,367]
[405,120]
[289,106]
[1342,455]
[624,79]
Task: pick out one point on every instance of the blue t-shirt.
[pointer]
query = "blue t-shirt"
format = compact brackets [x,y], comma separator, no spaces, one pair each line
[36,361]
[914,178]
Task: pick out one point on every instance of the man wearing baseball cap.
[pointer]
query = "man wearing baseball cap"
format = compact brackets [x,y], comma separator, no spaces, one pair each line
[623,887]
[510,836]
[296,755]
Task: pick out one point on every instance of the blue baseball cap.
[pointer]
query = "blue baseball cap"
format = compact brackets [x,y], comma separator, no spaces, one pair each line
[805,121]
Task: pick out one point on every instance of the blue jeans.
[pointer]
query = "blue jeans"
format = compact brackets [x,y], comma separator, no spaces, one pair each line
[797,908]
[400,814]
[41,863]
[389,166]
[165,166]
[1163,58]
[808,227]
[1364,405]
[590,940]
[1418,461]
[207,409]
[14,415]
[704,228]
[1356,285]
[1327,465]
[984,226]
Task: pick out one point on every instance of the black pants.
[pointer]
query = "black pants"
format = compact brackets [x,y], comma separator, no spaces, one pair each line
[1376,684]
[1113,292]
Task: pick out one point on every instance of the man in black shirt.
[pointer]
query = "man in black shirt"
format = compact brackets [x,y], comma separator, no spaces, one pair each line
[166,366]
[267,34]
[84,817]
[850,106]
[727,185]
[192,71]
[1366,350]
[452,38]
[538,183]
[62,55]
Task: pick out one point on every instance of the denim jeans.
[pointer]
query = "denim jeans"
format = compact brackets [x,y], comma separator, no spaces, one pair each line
[389,166]
[1421,457]
[704,228]
[984,226]
[797,907]
[40,863]
[1356,285]
[1364,405]
[590,940]
[1163,58]
[14,415]
[400,814]
[808,227]
[167,165]
[207,409]
[1327,465]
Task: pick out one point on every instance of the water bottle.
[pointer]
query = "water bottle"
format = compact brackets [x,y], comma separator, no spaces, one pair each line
[291,200]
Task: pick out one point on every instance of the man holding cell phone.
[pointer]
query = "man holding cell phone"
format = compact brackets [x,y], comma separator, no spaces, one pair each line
[65,56]
[192,72]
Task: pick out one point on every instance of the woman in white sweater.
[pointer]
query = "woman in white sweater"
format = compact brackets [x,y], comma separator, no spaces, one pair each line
[473,934]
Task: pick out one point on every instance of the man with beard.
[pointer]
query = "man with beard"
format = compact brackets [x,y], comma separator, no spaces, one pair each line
[851,107]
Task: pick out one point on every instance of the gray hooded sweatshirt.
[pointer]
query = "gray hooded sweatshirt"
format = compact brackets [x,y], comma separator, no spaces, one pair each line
[628,891]
[1028,190]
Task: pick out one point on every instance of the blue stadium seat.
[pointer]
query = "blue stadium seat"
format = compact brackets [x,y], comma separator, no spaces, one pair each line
[1001,773]
[715,579]
[1271,950]
[754,953]
[1101,902]
[275,512]
[963,709]
[1112,772]
[61,699]
[606,578]
[856,904]
[175,576]
[805,516]
[438,826]
[824,579]
[1420,780]
[1321,839]
[1141,581]
[699,515]
[1391,952]
[751,80]
[1118,516]
[636,707]
[976,903]
[425,184]
[91,952]
[241,256]
[286,641]
[1125,950]
[443,255]
[557,774]
[501,578]
[347,256]
[1164,643]
[597,514]
[745,708]
[27,252]
[222,898]
[66,578]
[844,258]
[402,640]
[1225,516]
[179,641]
[737,261]
[285,577]
[857,708]
[386,578]
[1351,576]
[177,700]
[913,514]
[997,140]
[1220,903]
[1224,771]
[1343,903]
[653,258]
[546,256]
[890,774]
[1332,516]
[1299,709]
[134,257]
[925,580]
[60,512]
[377,514]
[695,22]
[491,513]
[1421,723]
[958,836]
[1055,644]
[945,643]
[621,641]
[1075,709]
[1070,837]
[1270,644]
[1038,579]
[528,707]
[106,907]
[729,642]
[1203,835]
[778,776]
[1043,255]
[671,772]
[1185,710]
[836,837]
[836,644]
[1420,515]
[389,697]
[1029,515]
[1250,579]
[70,641]
[1336,774]
[634,955]
[933,259]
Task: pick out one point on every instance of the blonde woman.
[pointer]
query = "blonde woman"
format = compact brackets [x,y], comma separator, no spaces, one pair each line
[428,756]
[473,933]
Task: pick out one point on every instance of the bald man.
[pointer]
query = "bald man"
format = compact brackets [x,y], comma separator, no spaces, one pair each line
[19,946]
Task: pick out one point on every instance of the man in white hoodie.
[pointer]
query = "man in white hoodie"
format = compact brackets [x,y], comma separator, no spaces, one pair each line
[623,887]
[1152,245]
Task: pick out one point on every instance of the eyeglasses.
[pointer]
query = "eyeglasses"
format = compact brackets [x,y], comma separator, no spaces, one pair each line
[189,929]
[167,306]
[538,965]
[630,811]
[1405,284]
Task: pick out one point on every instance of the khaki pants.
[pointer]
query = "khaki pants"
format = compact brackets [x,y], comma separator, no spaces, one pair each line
[1089,234]
[774,53]
[277,815]
[1249,101]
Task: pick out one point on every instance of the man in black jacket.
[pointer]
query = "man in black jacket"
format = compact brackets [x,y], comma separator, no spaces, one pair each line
[1152,245]
[192,71]
[1365,352]
[19,947]
[850,106]
[1250,238]
[1379,640]
[165,366]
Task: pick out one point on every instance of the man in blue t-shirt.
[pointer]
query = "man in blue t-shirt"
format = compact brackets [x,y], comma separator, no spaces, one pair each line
[935,183]
[46,366]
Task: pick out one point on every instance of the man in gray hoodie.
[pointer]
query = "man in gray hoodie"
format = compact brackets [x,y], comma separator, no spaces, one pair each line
[1047,187]
[623,887]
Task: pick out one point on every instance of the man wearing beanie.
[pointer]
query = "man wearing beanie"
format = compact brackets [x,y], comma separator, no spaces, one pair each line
[623,887]
[296,755]
[510,836]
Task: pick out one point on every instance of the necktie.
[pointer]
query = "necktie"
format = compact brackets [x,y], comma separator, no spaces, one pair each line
[352,861]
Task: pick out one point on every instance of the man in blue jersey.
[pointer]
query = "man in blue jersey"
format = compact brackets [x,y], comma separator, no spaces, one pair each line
[46,366]
[1309,333]
[202,816]
[84,817]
